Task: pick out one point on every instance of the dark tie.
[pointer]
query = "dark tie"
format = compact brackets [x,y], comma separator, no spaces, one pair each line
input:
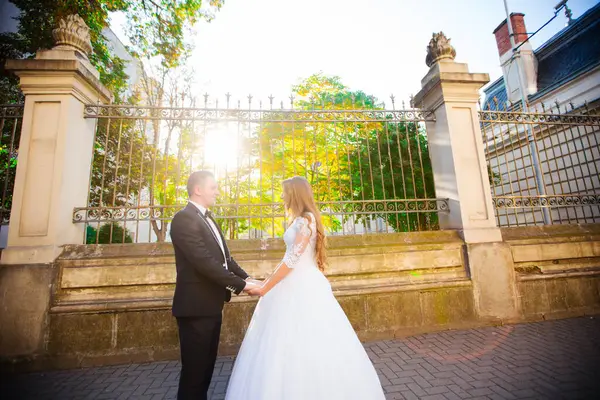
[208,214]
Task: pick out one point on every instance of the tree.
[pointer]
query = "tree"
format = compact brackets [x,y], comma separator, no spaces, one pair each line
[393,163]
[108,233]
[357,154]
[171,141]
[121,161]
[252,197]
[10,133]
[141,164]
[155,28]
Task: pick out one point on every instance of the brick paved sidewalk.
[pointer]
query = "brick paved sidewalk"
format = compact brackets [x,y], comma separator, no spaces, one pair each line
[546,360]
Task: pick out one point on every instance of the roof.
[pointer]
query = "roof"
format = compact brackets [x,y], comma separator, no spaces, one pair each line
[567,55]
[495,95]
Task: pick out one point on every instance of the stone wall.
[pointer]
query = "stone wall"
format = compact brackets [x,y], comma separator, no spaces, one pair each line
[558,269]
[111,303]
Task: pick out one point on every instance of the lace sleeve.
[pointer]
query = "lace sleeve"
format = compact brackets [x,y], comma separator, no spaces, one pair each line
[301,242]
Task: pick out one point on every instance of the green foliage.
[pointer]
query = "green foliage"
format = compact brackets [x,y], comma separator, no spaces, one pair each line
[393,163]
[10,133]
[126,161]
[494,177]
[155,28]
[365,159]
[91,234]
[121,154]
[108,233]
[135,155]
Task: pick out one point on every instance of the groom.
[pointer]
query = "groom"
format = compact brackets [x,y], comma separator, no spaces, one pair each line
[206,277]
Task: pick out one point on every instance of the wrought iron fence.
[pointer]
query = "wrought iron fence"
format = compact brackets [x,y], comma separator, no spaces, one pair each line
[543,164]
[369,167]
[11,117]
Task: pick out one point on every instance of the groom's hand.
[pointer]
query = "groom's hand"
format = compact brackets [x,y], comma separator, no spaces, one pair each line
[254,281]
[250,286]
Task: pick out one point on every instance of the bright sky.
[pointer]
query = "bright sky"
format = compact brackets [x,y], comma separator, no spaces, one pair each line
[265,46]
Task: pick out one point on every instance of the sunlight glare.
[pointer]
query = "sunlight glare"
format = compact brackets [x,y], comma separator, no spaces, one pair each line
[221,149]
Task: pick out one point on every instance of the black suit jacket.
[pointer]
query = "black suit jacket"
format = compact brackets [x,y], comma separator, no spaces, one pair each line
[203,284]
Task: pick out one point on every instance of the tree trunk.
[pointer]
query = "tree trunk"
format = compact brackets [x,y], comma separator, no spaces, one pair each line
[159,231]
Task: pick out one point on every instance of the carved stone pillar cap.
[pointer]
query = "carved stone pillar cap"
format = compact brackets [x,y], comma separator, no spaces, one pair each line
[439,48]
[72,33]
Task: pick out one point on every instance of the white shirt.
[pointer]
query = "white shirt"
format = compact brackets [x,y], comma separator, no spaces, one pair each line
[213,227]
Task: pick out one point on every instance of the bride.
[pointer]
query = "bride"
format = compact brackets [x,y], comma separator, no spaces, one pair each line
[300,344]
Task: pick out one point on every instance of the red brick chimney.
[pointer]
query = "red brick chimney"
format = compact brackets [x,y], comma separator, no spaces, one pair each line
[519,30]
[526,73]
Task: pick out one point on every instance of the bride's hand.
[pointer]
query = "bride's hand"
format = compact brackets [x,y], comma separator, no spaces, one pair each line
[258,291]
[250,286]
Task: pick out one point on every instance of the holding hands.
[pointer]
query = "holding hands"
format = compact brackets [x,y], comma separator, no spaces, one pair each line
[254,287]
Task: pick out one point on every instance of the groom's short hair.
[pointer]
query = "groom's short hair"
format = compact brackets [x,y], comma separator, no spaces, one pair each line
[197,178]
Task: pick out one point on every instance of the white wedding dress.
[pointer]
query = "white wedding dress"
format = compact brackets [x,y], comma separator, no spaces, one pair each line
[300,344]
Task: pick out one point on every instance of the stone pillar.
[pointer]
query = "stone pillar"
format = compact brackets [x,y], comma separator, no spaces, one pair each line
[451,92]
[52,177]
[459,166]
[55,152]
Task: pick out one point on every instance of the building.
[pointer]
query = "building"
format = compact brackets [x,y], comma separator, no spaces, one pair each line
[565,69]
[533,153]
[133,66]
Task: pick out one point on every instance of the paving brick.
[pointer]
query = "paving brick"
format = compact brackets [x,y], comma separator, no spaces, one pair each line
[400,381]
[408,395]
[394,396]
[451,396]
[482,383]
[505,394]
[444,374]
[554,359]
[433,397]
[416,389]
[404,374]
[461,383]
[395,388]
[154,391]
[460,392]
[480,392]
[437,390]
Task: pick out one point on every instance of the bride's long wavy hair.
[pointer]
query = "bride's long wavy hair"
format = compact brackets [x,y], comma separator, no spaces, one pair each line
[301,201]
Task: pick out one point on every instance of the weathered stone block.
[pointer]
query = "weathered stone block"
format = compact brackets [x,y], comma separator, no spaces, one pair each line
[355,309]
[409,312]
[236,318]
[557,294]
[589,291]
[25,292]
[534,298]
[447,306]
[383,311]
[80,333]
[151,328]
[574,295]
[582,292]
[494,287]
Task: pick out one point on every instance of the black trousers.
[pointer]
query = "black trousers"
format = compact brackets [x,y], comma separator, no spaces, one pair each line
[198,342]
